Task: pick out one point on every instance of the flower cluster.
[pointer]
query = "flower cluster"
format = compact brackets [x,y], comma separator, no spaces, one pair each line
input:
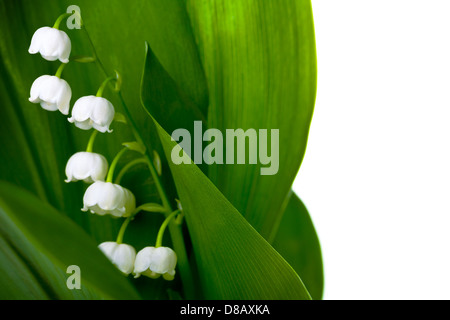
[102,196]
[54,93]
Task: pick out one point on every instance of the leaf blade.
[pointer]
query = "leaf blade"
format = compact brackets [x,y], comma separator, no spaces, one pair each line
[297,241]
[234,261]
[50,240]
[260,64]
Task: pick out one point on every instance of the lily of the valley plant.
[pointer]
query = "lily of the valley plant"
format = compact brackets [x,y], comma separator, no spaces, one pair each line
[93,204]
[103,196]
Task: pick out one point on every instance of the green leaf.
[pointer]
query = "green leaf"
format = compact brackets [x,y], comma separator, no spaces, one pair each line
[296,240]
[48,242]
[169,32]
[17,281]
[164,99]
[260,65]
[234,261]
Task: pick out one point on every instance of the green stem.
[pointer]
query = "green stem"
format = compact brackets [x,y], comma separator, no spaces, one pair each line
[127,167]
[123,228]
[90,145]
[60,19]
[175,230]
[163,227]
[103,85]
[116,159]
[150,164]
[94,51]
[60,70]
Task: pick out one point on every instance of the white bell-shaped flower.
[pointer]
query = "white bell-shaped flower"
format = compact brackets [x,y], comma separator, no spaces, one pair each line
[92,112]
[154,262]
[52,93]
[51,43]
[86,166]
[121,255]
[109,198]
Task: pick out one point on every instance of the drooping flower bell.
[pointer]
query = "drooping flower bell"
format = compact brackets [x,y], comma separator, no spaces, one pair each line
[109,198]
[92,112]
[51,43]
[154,262]
[121,255]
[52,93]
[86,166]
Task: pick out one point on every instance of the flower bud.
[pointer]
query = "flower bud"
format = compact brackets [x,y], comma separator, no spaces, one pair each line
[52,93]
[86,166]
[154,262]
[109,198]
[121,255]
[92,112]
[51,43]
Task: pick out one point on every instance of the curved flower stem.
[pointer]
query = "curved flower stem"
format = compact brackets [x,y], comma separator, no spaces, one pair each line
[123,228]
[174,229]
[60,70]
[94,51]
[90,145]
[127,167]
[60,19]
[163,227]
[127,222]
[110,176]
[103,85]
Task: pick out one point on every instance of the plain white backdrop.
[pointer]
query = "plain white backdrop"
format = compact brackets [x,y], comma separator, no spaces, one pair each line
[376,174]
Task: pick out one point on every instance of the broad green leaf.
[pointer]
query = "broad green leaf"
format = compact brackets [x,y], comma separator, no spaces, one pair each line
[296,240]
[260,64]
[170,35]
[16,142]
[234,261]
[164,99]
[50,242]
[17,279]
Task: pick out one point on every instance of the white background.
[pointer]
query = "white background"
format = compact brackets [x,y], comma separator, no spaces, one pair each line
[376,174]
